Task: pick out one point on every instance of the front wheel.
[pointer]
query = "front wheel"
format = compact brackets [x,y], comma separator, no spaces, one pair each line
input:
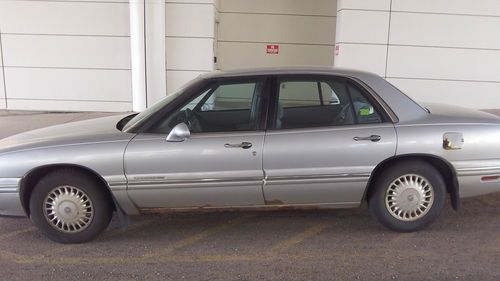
[70,207]
[408,196]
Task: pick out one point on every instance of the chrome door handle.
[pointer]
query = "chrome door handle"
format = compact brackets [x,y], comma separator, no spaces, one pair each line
[373,138]
[244,145]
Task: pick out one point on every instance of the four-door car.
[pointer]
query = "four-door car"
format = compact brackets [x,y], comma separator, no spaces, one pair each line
[255,139]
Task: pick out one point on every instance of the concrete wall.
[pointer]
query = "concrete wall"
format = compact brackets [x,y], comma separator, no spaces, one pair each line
[303,29]
[3,104]
[65,55]
[75,55]
[444,51]
[190,32]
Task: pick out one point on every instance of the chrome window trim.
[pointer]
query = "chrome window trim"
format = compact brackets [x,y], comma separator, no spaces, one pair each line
[383,105]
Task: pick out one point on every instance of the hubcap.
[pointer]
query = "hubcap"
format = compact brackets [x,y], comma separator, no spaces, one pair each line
[68,209]
[409,197]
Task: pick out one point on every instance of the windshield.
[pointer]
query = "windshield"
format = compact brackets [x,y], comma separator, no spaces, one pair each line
[148,112]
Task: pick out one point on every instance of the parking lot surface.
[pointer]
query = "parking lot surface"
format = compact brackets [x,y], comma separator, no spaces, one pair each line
[265,245]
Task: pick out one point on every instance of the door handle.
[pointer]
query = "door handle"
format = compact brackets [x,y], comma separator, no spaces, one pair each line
[244,145]
[373,138]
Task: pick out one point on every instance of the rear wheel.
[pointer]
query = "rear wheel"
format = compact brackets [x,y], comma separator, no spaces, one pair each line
[68,206]
[408,196]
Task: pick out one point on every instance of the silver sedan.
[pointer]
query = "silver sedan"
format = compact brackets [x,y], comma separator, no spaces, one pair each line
[255,139]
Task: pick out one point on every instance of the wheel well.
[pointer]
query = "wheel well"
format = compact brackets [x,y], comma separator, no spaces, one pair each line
[30,180]
[444,167]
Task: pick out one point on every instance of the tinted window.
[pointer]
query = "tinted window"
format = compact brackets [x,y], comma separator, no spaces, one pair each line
[314,103]
[364,110]
[222,108]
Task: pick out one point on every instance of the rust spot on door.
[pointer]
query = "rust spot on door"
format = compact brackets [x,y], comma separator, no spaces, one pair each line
[275,202]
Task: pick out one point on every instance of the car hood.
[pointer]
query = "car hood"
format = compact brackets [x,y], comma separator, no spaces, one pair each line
[441,113]
[87,131]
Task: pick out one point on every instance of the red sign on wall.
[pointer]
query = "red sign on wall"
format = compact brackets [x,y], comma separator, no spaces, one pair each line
[273,49]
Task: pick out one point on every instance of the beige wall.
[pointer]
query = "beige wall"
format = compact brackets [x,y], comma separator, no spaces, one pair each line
[303,29]
[75,55]
[445,51]
[190,27]
[2,84]
[65,55]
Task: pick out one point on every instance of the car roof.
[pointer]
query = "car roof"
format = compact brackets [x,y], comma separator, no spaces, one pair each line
[403,107]
[284,70]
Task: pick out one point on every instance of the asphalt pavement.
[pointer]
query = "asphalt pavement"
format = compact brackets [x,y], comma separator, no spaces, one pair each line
[264,245]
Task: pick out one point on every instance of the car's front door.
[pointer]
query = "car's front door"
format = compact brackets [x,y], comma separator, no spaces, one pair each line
[327,135]
[219,165]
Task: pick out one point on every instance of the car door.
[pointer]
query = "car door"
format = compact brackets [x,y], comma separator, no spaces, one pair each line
[326,136]
[219,165]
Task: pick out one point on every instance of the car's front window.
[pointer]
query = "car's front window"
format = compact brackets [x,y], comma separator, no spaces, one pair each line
[225,107]
[150,111]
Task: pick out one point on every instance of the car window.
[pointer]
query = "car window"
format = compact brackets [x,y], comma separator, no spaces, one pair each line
[303,104]
[307,93]
[318,103]
[329,95]
[223,108]
[364,110]
[230,97]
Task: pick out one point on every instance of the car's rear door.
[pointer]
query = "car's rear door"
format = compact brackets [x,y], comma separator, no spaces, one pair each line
[326,136]
[220,165]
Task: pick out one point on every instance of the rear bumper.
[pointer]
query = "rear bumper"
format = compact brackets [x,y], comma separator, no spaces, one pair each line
[10,202]
[478,181]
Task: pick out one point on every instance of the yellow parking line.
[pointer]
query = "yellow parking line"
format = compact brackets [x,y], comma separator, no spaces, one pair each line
[401,237]
[135,260]
[15,233]
[14,257]
[21,259]
[297,239]
[210,258]
[195,238]
[111,233]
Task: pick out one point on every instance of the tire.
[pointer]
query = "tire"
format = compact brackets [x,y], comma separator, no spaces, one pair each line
[82,206]
[408,196]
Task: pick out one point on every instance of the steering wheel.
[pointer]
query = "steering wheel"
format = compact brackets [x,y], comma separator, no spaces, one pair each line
[192,120]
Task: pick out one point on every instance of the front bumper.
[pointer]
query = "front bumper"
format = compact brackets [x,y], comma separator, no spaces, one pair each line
[10,202]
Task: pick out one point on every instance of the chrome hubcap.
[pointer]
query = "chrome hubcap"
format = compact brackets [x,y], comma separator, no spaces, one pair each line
[68,209]
[409,197]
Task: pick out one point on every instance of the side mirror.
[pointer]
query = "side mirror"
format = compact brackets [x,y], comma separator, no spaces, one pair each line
[179,133]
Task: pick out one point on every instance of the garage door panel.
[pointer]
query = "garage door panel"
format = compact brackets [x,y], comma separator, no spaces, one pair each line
[381,5]
[2,90]
[428,30]
[68,84]
[176,79]
[362,56]
[443,63]
[199,53]
[58,17]
[66,51]
[195,20]
[310,7]
[237,55]
[479,95]
[277,28]
[372,29]
[466,7]
[69,105]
